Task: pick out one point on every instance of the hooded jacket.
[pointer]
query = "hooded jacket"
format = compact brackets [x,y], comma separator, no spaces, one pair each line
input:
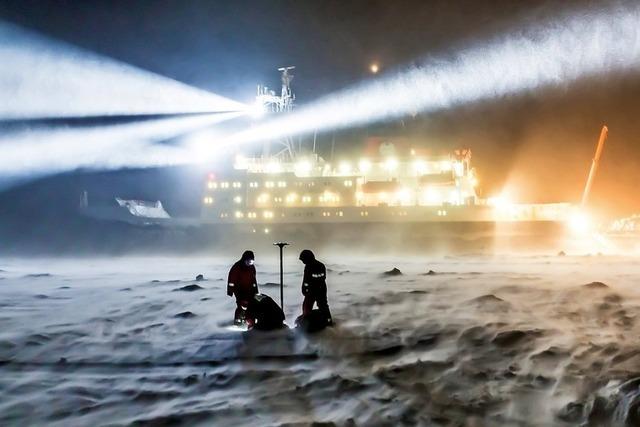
[242,280]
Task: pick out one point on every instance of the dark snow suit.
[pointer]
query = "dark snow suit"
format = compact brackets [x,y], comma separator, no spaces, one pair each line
[314,289]
[264,314]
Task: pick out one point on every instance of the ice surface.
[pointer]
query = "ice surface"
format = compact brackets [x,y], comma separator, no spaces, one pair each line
[501,340]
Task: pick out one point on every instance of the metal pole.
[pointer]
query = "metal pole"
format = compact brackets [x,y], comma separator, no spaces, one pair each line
[281,245]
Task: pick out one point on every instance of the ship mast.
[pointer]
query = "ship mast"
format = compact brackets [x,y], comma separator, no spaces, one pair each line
[267,101]
[287,97]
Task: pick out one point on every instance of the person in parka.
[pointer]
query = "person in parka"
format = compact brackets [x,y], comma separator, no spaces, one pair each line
[314,286]
[264,314]
[242,284]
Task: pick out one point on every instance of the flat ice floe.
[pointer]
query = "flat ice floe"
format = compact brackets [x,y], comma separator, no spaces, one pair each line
[505,341]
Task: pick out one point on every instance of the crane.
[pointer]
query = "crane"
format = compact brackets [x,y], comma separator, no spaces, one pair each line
[594,165]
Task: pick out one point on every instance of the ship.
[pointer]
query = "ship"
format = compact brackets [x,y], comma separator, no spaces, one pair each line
[415,197]
[385,189]
[393,197]
[296,194]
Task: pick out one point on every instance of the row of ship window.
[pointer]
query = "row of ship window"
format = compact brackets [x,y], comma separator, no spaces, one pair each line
[270,184]
[264,198]
[269,214]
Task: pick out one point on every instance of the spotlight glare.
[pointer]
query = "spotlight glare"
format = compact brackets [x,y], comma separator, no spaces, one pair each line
[302,168]
[344,168]
[579,223]
[501,202]
[257,110]
[364,165]
[391,164]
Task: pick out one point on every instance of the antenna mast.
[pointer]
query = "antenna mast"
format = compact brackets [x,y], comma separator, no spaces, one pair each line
[268,102]
[287,96]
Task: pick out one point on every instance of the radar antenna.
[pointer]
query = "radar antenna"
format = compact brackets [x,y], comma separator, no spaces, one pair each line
[287,96]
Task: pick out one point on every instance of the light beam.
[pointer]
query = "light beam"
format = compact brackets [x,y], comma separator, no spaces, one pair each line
[44,78]
[44,151]
[592,43]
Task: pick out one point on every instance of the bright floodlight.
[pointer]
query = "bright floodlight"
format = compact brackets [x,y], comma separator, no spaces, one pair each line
[303,167]
[579,223]
[374,68]
[404,196]
[593,42]
[364,165]
[501,202]
[274,167]
[344,168]
[391,164]
[257,110]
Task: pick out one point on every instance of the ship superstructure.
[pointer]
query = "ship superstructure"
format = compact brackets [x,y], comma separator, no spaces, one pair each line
[291,186]
[384,188]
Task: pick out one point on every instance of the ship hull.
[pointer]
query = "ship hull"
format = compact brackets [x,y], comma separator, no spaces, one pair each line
[382,230]
[466,228]
[393,237]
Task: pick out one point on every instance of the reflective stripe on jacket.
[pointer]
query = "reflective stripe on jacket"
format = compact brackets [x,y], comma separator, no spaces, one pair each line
[314,279]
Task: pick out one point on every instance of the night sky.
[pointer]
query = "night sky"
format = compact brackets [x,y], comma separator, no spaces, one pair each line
[229,46]
[539,142]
